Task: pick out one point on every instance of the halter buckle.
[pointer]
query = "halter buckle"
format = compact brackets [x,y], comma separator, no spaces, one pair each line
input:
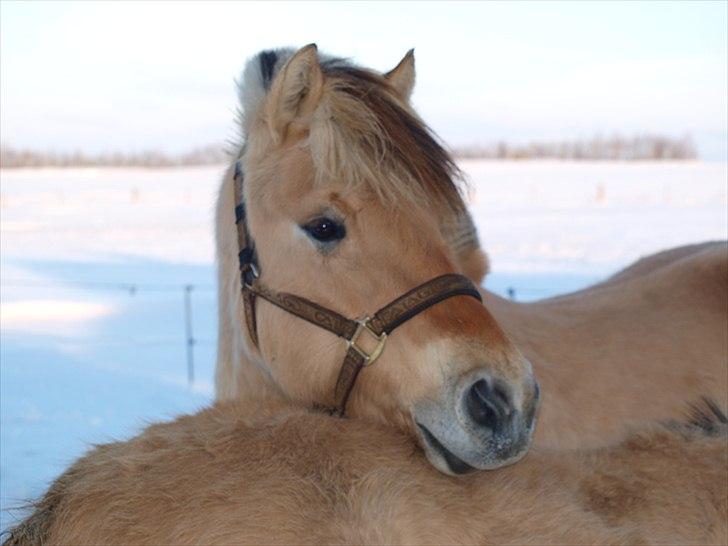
[363,325]
[254,269]
[249,273]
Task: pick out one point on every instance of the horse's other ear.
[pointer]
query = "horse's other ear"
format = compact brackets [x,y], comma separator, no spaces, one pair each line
[474,265]
[461,236]
[402,76]
[295,91]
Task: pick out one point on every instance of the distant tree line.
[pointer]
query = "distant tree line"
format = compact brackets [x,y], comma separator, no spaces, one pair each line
[14,158]
[616,148]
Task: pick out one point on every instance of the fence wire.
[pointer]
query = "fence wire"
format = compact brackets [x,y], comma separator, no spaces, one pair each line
[132,289]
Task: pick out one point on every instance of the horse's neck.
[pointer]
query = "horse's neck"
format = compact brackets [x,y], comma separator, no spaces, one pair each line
[239,372]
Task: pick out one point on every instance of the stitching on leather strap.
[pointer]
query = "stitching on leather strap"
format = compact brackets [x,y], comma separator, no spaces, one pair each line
[350,368]
[420,298]
[309,311]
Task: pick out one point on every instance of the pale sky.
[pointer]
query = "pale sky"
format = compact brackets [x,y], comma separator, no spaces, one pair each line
[132,76]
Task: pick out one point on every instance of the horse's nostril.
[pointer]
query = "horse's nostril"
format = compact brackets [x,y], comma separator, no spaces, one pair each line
[484,406]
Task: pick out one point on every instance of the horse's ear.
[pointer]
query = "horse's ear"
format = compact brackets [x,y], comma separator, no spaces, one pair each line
[474,264]
[402,76]
[295,91]
[461,236]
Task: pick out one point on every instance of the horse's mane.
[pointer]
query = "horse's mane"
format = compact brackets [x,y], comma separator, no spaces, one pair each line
[362,132]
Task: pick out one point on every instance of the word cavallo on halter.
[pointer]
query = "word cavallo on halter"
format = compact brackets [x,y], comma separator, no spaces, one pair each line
[378,326]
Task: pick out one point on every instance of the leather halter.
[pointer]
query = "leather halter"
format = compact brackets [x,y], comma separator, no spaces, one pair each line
[377,326]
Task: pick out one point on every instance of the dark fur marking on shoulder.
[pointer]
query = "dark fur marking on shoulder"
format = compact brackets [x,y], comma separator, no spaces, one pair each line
[267,60]
[707,416]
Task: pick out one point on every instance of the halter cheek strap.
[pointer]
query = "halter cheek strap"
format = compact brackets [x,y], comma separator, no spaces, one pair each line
[377,327]
[247,260]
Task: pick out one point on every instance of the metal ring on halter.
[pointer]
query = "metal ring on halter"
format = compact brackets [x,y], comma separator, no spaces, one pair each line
[254,270]
[363,325]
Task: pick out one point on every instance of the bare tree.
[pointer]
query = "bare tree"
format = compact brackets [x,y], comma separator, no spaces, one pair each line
[616,148]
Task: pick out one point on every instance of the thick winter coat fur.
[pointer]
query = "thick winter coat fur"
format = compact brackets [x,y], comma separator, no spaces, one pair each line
[237,474]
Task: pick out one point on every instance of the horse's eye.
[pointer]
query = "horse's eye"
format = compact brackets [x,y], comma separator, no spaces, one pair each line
[325,230]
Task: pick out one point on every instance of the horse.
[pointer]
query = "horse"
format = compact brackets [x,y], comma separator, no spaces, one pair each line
[242,473]
[343,201]
[628,348]
[348,149]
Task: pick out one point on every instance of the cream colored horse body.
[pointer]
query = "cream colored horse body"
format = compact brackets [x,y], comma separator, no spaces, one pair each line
[634,347]
[242,474]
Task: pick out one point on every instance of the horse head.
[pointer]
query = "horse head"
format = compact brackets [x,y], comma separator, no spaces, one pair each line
[351,202]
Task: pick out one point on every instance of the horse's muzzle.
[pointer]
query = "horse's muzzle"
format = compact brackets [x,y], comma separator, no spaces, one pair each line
[479,423]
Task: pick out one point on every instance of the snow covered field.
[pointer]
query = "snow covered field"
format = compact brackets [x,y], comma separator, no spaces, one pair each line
[94,263]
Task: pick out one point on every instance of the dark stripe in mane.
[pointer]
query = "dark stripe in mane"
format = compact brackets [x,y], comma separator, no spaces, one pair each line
[268,60]
[408,141]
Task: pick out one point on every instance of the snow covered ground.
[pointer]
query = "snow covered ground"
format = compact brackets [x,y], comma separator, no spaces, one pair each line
[94,263]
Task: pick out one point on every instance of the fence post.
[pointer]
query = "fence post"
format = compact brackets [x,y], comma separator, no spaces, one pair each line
[190,336]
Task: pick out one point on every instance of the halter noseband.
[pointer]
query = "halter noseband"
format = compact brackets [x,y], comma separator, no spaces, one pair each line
[377,326]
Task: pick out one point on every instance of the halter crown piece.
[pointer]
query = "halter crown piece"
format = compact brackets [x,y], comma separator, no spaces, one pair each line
[377,326]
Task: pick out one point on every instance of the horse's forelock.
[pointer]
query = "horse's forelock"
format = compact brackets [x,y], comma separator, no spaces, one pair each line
[367,135]
[380,141]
